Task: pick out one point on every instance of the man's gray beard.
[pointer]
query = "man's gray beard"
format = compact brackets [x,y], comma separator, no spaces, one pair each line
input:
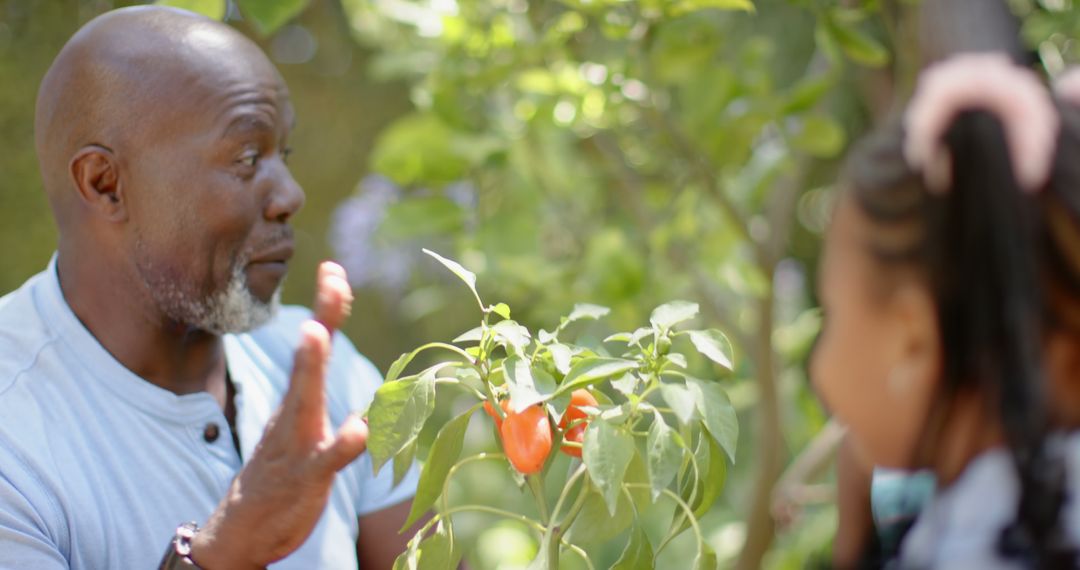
[234,309]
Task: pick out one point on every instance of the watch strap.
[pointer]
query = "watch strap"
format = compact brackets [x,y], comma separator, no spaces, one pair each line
[178,555]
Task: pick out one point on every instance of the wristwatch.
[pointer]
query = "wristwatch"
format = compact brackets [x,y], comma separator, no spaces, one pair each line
[178,556]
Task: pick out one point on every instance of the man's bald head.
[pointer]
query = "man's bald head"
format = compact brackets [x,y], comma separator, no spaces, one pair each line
[162,138]
[124,80]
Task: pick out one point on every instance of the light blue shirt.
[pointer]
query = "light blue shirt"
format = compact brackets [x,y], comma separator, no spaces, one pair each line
[98,466]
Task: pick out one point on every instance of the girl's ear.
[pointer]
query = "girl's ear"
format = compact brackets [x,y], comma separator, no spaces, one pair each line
[917,353]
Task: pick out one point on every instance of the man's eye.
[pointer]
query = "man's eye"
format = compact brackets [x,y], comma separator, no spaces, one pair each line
[249,159]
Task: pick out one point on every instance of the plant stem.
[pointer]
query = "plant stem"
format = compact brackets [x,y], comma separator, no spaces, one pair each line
[536,485]
[682,504]
[455,349]
[450,474]
[675,528]
[580,472]
[581,554]
[492,511]
[459,384]
[508,515]
[551,542]
[579,503]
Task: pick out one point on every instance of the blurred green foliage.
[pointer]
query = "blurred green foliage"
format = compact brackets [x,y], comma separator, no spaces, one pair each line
[621,152]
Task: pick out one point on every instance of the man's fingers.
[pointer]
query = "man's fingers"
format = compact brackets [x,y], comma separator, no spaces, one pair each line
[309,369]
[333,297]
[327,268]
[350,442]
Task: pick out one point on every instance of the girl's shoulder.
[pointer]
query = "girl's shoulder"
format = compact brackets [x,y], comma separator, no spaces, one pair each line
[961,525]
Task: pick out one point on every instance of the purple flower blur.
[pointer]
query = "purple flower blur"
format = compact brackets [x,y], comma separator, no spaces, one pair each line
[352,235]
[369,259]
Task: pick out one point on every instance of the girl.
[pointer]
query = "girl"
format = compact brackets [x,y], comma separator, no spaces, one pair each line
[951,286]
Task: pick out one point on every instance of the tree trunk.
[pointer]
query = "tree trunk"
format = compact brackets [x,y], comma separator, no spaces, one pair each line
[760,527]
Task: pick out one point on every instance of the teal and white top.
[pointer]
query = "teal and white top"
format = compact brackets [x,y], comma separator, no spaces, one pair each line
[896,499]
[960,527]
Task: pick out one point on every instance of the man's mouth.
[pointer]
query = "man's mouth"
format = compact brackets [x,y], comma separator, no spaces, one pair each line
[280,253]
[274,260]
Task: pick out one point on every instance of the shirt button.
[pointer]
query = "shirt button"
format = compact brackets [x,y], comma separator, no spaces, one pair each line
[211,433]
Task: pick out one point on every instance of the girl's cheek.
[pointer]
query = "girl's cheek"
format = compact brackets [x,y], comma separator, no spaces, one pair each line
[826,379]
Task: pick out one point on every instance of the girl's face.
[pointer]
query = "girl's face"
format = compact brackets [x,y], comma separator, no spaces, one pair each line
[876,362]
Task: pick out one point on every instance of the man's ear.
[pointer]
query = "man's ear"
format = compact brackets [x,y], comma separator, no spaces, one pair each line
[96,175]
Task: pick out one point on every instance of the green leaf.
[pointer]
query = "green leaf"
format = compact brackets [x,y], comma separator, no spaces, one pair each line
[402,361]
[403,460]
[858,45]
[445,451]
[501,309]
[702,489]
[664,454]
[557,405]
[396,416]
[619,337]
[589,370]
[568,24]
[541,560]
[639,334]
[638,554]
[806,94]
[529,385]
[594,524]
[437,551]
[560,357]
[586,311]
[706,558]
[512,336]
[680,399]
[714,346]
[467,276]
[419,148]
[717,413]
[519,380]
[669,314]
[472,335]
[470,377]
[795,339]
[626,384]
[268,16]
[607,451]
[683,7]
[713,479]
[545,383]
[210,8]
[408,560]
[820,136]
[617,415]
[827,44]
[678,360]
[421,217]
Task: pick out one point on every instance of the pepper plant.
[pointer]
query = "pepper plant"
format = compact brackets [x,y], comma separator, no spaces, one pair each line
[640,428]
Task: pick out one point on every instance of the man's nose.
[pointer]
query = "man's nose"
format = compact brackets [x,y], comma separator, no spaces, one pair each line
[286,195]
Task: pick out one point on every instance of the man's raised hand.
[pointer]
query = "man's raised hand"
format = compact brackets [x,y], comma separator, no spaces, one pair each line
[280,494]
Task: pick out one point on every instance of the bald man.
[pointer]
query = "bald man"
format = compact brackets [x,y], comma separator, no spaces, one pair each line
[148,377]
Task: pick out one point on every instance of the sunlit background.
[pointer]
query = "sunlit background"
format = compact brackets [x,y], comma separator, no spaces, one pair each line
[617,152]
